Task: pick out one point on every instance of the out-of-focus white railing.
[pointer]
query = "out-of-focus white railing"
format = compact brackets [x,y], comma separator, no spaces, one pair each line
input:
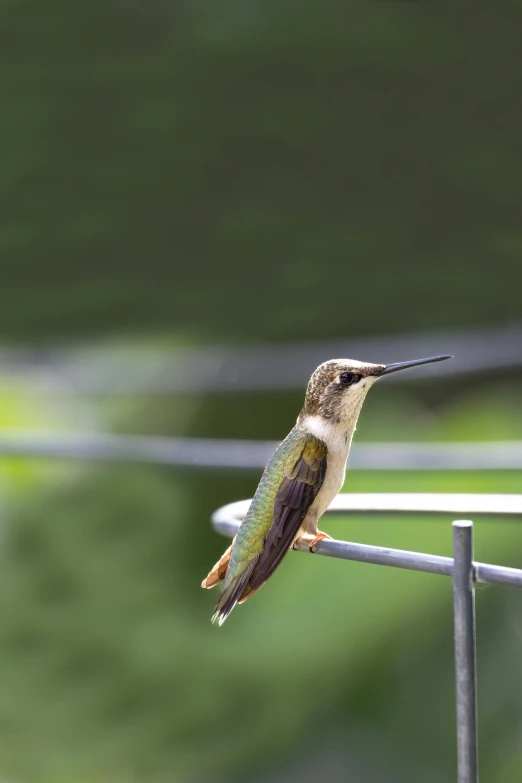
[209,453]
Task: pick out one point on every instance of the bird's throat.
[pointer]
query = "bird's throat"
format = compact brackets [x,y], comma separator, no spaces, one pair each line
[337,435]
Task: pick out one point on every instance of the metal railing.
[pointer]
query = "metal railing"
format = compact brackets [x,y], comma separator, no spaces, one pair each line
[461,567]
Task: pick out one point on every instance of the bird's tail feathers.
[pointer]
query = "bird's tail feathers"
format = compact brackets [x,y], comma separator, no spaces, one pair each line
[217,574]
[231,594]
[249,591]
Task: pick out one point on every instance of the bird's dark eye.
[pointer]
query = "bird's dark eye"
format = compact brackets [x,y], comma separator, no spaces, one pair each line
[347,378]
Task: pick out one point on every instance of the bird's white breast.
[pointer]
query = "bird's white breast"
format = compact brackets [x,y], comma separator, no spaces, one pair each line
[338,442]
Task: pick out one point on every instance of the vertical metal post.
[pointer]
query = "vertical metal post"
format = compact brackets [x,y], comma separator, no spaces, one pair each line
[465,656]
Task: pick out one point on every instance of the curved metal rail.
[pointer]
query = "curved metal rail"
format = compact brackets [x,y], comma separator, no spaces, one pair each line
[462,568]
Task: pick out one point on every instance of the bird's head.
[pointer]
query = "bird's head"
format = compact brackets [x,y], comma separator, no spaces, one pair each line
[338,387]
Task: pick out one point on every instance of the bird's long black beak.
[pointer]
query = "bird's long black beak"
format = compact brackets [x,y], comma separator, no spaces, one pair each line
[404,365]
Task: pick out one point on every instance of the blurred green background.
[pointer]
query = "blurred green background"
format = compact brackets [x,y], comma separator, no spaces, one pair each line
[190,173]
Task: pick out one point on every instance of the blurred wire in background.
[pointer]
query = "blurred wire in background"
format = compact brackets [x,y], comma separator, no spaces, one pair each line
[207,453]
[127,369]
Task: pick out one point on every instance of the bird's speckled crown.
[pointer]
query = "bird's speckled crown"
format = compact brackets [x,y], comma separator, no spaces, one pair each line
[323,395]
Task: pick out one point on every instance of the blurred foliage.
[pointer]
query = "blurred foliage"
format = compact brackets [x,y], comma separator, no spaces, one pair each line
[21,409]
[259,169]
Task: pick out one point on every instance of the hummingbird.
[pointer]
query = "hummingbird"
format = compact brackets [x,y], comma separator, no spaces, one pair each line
[301,479]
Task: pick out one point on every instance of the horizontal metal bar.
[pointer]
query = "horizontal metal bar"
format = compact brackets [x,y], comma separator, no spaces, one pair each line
[379,555]
[227,520]
[210,453]
[497,575]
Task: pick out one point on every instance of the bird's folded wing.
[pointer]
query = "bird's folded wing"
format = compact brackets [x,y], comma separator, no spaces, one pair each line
[294,497]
